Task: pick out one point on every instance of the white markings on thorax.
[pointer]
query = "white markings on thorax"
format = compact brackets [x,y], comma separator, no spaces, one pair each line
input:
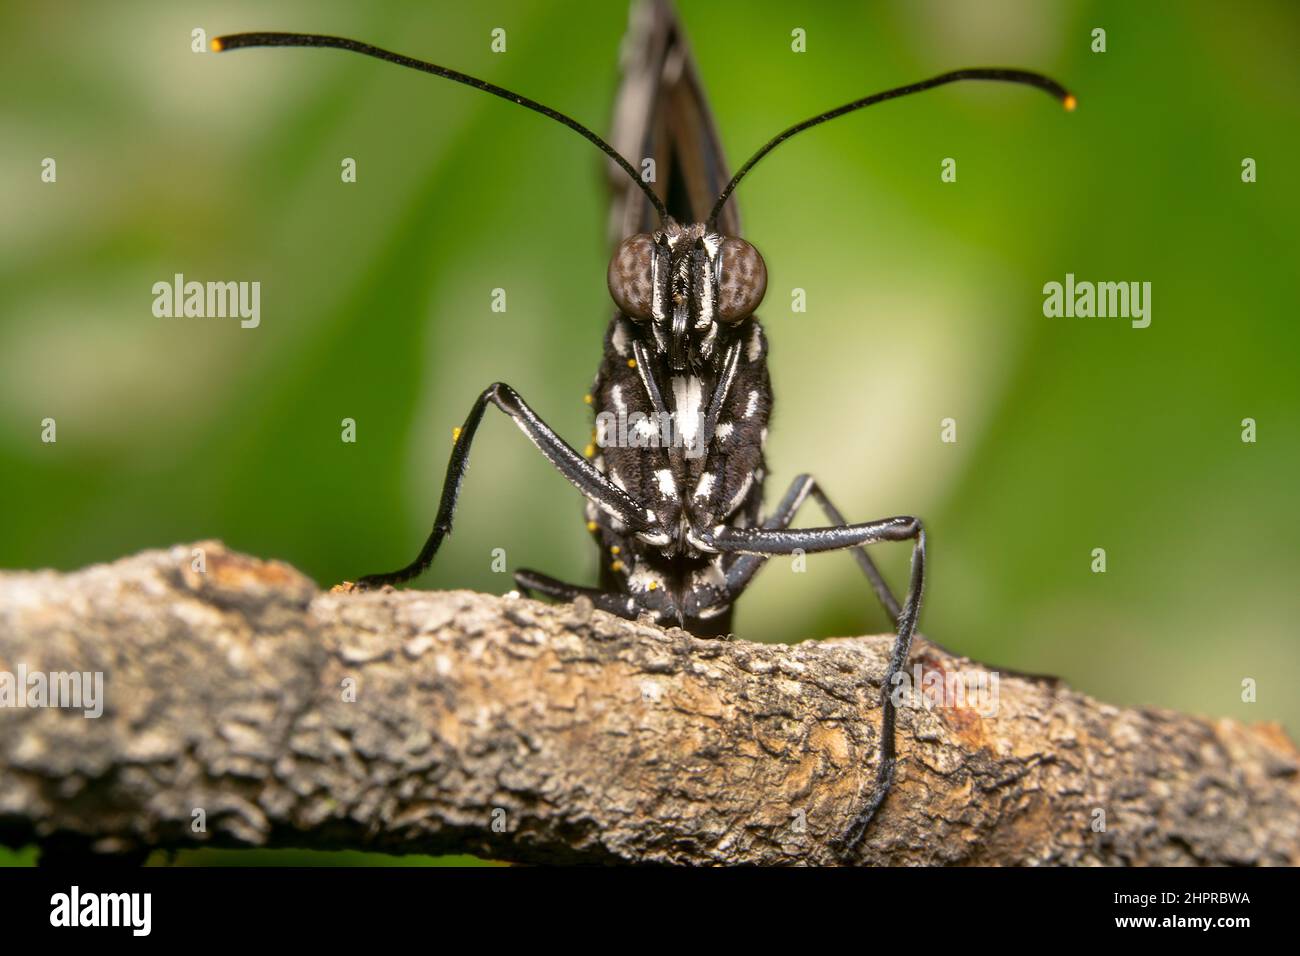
[740,494]
[642,577]
[688,397]
[619,338]
[710,576]
[667,487]
[706,297]
[706,343]
[645,429]
[705,487]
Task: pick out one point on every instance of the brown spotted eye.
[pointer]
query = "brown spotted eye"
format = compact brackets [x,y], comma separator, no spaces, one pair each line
[630,276]
[743,281]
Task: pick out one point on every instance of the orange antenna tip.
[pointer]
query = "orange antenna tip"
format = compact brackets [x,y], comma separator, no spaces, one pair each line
[1069,103]
[216,45]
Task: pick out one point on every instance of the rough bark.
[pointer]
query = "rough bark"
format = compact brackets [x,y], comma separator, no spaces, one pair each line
[523,731]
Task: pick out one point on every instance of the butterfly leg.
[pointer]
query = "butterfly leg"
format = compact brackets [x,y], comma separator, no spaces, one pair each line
[579,472]
[534,581]
[746,566]
[765,542]
[804,486]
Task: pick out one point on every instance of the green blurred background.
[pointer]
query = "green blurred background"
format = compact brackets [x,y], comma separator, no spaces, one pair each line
[924,302]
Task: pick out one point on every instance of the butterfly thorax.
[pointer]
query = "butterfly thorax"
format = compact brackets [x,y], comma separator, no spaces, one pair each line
[687,442]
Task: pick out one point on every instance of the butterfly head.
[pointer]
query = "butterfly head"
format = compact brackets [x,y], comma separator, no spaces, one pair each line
[688,285]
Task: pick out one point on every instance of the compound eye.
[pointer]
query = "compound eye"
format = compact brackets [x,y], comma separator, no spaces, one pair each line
[743,282]
[631,281]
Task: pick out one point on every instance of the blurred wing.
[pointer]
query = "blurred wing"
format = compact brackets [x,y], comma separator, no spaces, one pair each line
[661,113]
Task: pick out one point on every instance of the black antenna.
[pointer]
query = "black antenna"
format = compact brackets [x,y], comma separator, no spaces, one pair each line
[236,41]
[1023,77]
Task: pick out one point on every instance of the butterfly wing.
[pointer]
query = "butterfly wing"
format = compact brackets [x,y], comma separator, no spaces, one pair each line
[661,113]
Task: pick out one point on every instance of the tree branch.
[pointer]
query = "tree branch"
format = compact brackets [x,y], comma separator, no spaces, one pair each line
[521,731]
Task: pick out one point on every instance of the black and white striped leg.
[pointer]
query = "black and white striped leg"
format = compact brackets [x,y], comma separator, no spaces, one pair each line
[580,473]
[774,541]
[745,567]
[535,581]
